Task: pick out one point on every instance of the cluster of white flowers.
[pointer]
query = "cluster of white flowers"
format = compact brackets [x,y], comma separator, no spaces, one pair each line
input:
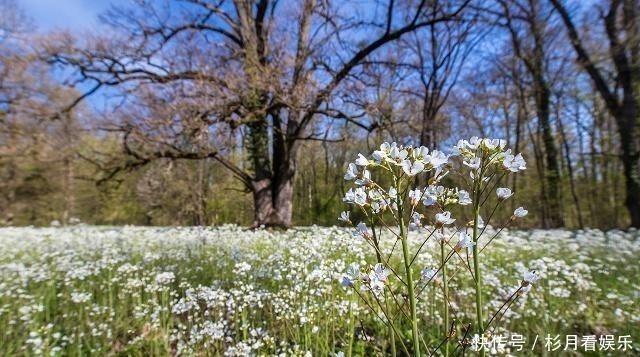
[492,151]
[165,278]
[414,161]
[405,204]
[377,278]
[80,297]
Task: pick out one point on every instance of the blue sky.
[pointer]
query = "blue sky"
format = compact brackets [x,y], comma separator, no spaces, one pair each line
[65,14]
[73,15]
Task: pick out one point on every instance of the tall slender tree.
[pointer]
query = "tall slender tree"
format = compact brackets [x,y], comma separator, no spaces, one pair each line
[527,24]
[621,90]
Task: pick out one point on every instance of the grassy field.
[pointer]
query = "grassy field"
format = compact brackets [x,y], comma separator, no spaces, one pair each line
[227,291]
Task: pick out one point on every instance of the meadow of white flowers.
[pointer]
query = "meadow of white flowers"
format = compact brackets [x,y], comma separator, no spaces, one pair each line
[232,292]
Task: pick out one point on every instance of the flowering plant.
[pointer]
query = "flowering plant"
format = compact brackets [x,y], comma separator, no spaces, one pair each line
[391,286]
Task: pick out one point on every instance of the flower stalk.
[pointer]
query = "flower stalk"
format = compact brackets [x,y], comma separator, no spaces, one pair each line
[415,336]
[445,290]
[477,272]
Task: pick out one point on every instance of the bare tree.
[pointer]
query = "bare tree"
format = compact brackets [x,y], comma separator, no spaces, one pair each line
[619,91]
[31,147]
[440,51]
[528,25]
[261,68]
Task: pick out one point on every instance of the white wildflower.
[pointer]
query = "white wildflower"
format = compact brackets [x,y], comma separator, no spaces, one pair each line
[393,193]
[444,218]
[519,212]
[165,278]
[361,160]
[513,163]
[464,198]
[438,159]
[412,169]
[415,220]
[414,196]
[80,297]
[503,193]
[473,163]
[360,196]
[464,241]
[378,278]
[363,230]
[383,153]
[473,143]
[530,277]
[398,154]
[430,274]
[352,172]
[364,179]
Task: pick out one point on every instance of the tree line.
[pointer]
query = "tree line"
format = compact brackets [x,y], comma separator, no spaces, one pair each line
[209,112]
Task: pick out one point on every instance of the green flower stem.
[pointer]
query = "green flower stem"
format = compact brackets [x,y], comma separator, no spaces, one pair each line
[476,265]
[445,288]
[392,334]
[352,329]
[412,298]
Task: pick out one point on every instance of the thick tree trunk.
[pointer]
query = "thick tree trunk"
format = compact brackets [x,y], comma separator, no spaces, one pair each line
[283,203]
[263,203]
[627,126]
[274,165]
[273,203]
[632,200]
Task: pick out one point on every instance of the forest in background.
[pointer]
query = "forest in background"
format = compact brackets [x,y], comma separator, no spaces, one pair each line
[203,112]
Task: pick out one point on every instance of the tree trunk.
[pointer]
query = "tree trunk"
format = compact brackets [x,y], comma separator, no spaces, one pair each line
[540,170]
[284,169]
[69,192]
[567,153]
[200,195]
[8,186]
[283,203]
[273,203]
[626,120]
[625,55]
[10,196]
[262,202]
[427,131]
[274,169]
[553,194]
